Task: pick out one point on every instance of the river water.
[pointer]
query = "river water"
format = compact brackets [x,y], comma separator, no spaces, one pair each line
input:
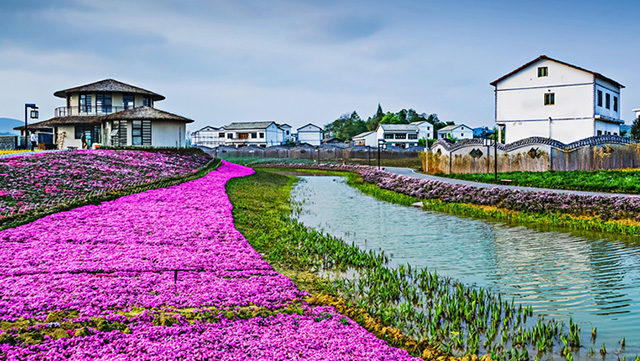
[592,279]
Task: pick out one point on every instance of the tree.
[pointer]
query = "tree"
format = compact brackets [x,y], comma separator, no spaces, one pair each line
[345,127]
[635,129]
[372,123]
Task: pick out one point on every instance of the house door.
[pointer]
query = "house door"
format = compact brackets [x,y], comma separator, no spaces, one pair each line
[87,134]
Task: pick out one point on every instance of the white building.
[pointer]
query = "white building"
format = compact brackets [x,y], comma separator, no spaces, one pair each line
[310,134]
[399,135]
[112,113]
[367,139]
[262,134]
[208,137]
[285,133]
[425,129]
[553,99]
[459,131]
[637,111]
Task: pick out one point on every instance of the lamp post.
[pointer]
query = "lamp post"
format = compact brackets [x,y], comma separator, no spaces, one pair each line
[486,134]
[380,144]
[34,115]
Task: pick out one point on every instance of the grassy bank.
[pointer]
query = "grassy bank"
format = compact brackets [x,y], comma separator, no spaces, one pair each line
[610,181]
[414,309]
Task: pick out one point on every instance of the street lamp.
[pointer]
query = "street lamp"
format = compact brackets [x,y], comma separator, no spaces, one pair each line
[34,115]
[380,144]
[486,134]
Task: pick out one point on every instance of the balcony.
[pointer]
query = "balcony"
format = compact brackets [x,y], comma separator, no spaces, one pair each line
[88,111]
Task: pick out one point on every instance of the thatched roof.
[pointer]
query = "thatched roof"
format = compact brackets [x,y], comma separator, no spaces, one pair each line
[108,85]
[145,113]
[34,126]
[57,121]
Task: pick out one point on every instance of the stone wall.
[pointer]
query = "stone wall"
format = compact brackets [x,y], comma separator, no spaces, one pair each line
[533,154]
[8,142]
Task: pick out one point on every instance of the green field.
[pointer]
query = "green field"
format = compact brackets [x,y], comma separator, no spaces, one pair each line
[611,181]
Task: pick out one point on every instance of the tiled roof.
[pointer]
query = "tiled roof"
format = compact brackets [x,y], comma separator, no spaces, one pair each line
[145,113]
[248,125]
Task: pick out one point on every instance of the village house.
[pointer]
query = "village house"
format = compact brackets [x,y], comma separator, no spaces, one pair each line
[261,134]
[399,135]
[366,139]
[112,113]
[553,99]
[459,131]
[208,136]
[310,134]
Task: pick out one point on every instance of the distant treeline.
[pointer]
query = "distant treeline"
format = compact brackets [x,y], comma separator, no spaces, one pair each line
[350,125]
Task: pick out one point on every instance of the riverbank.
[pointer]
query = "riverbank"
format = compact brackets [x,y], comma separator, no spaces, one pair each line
[432,310]
[620,215]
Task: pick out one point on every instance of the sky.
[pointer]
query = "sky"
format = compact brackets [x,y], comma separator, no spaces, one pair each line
[307,61]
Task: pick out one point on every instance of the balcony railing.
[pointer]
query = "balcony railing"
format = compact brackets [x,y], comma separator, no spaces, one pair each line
[89,110]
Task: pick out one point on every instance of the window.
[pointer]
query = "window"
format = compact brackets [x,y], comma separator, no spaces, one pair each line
[243,135]
[127,101]
[462,134]
[103,102]
[83,129]
[401,136]
[607,101]
[549,98]
[119,133]
[388,136]
[261,135]
[220,135]
[599,98]
[599,132]
[287,132]
[254,135]
[615,103]
[146,101]
[413,136]
[543,71]
[85,103]
[229,135]
[140,132]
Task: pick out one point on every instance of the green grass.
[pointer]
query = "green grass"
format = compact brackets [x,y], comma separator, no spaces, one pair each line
[610,181]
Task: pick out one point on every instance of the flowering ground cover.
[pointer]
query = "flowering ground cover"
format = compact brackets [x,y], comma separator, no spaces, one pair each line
[52,178]
[161,274]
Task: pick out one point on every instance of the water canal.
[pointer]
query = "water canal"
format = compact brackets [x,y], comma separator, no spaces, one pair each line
[592,279]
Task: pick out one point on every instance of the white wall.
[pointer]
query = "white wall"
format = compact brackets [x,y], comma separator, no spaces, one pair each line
[164,133]
[613,91]
[462,132]
[310,134]
[520,103]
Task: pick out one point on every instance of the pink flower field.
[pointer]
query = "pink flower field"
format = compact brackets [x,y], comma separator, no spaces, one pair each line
[143,269]
[54,178]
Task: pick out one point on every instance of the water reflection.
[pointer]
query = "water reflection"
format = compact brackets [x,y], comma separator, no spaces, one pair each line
[560,274]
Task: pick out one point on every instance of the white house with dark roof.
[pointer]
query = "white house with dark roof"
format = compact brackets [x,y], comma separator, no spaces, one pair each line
[425,129]
[310,134]
[553,99]
[459,131]
[366,139]
[285,134]
[399,135]
[208,136]
[262,134]
[112,113]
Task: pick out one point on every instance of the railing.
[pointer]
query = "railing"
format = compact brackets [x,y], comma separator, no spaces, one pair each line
[89,110]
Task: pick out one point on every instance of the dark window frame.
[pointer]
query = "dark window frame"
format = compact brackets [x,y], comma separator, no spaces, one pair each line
[543,71]
[599,98]
[104,102]
[125,104]
[607,100]
[549,99]
[615,103]
[85,103]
